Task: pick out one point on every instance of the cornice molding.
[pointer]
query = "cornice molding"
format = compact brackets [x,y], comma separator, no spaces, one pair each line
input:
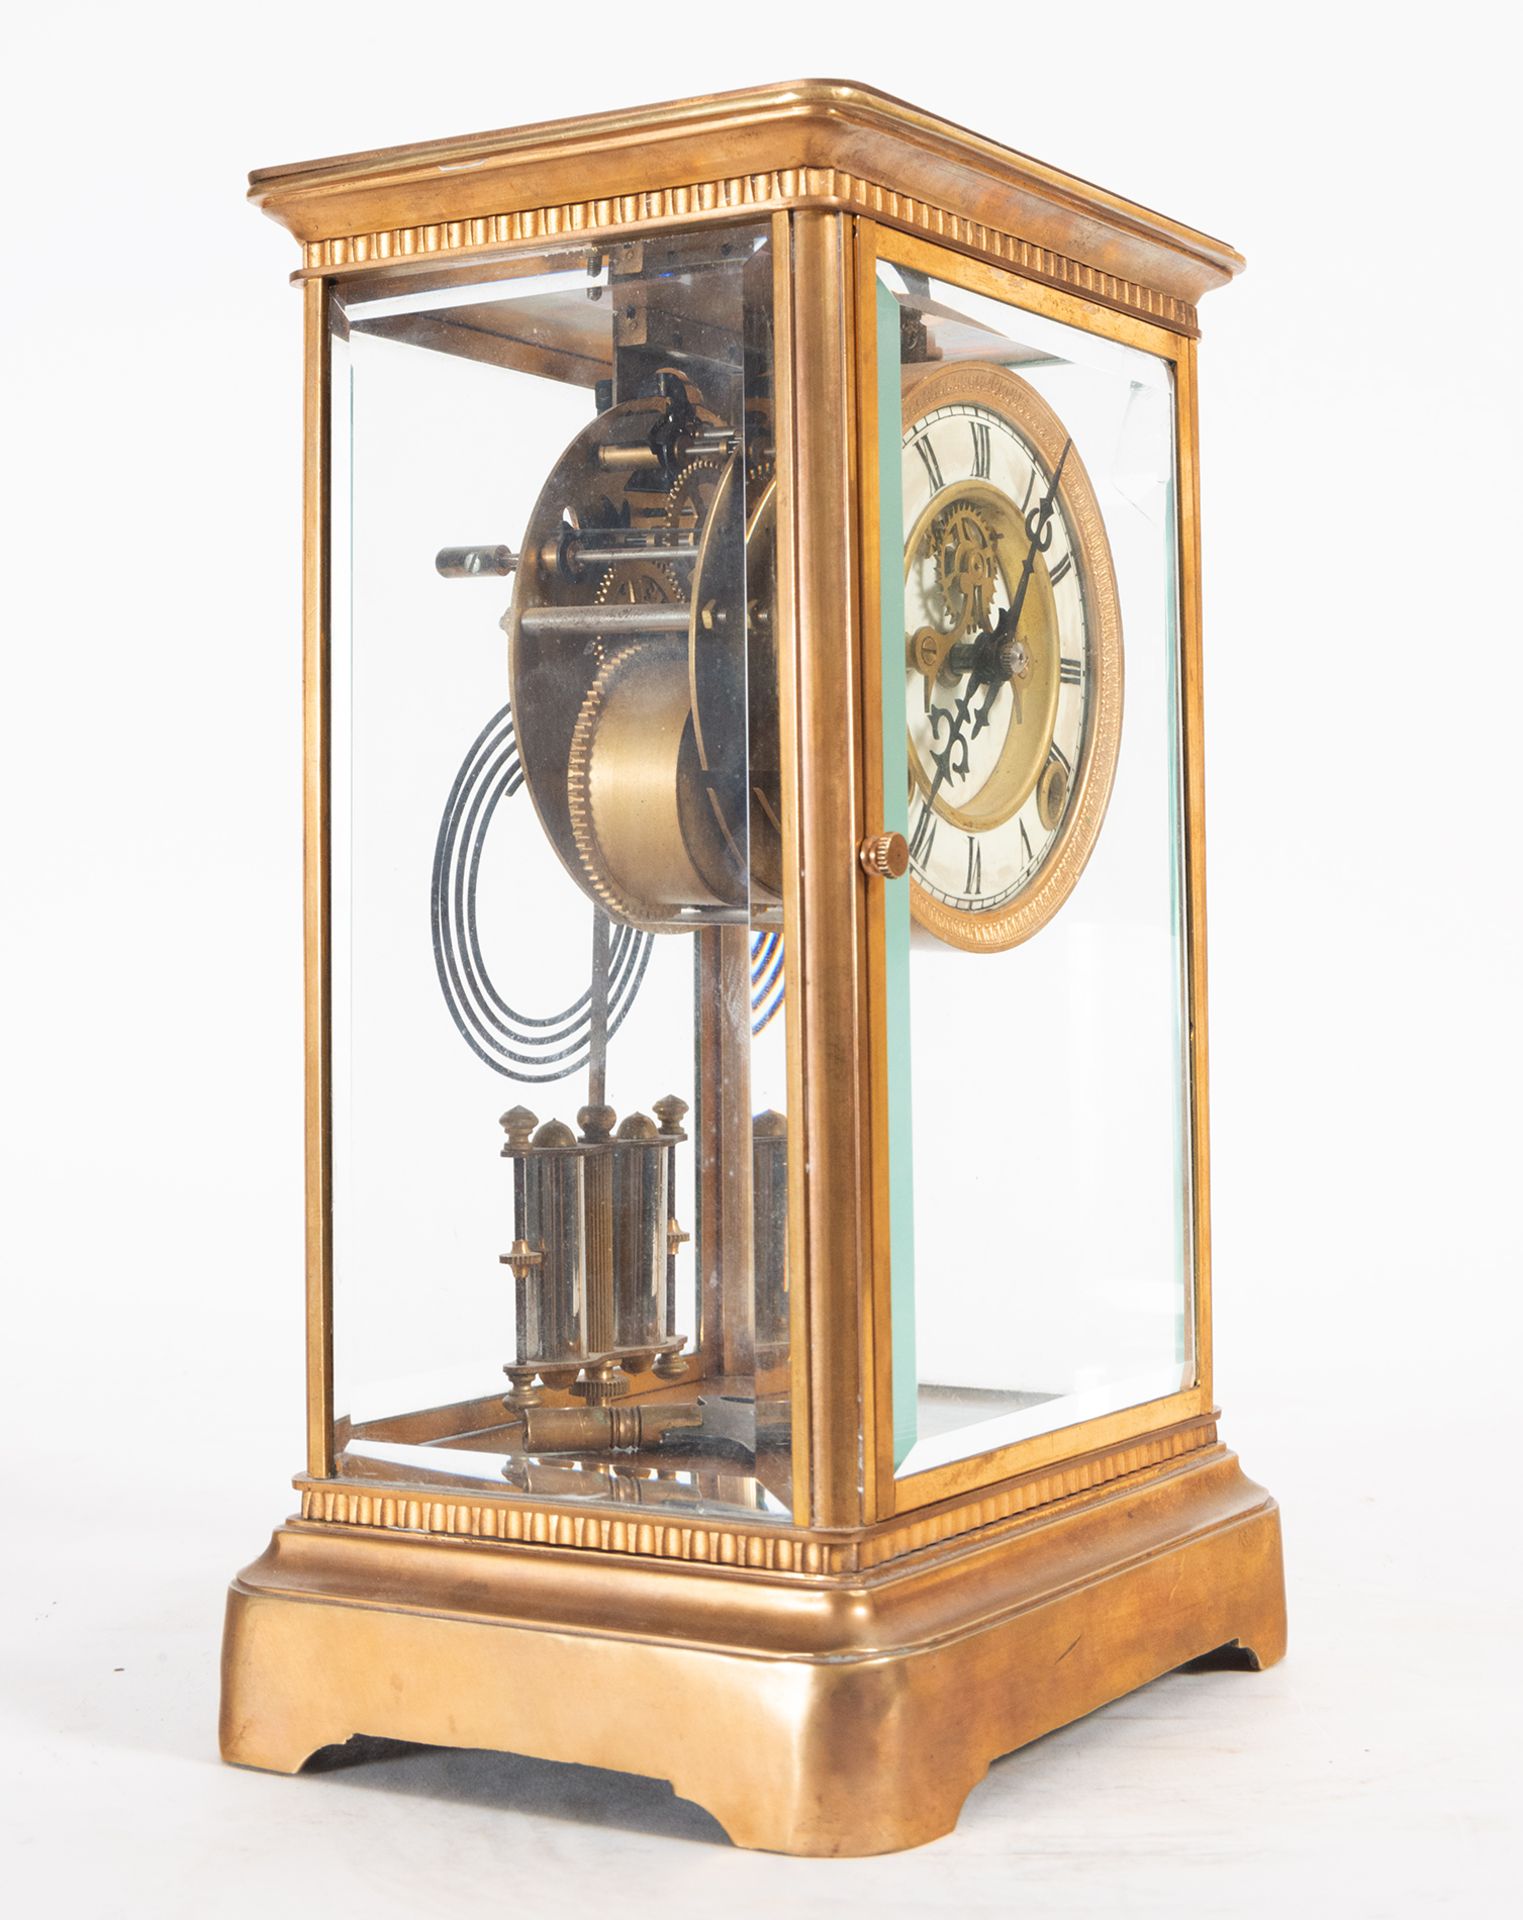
[584,222]
[806,143]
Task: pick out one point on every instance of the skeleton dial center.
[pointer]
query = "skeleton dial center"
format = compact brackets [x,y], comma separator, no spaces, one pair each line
[997,657]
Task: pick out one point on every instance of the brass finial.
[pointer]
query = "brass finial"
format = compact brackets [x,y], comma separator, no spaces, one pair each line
[596,1123]
[518,1124]
[670,1364]
[523,1392]
[669,1111]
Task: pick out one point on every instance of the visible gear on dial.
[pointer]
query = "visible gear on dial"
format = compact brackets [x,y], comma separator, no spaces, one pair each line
[966,553]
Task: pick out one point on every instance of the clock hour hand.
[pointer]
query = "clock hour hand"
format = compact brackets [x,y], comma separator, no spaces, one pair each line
[995,659]
[952,761]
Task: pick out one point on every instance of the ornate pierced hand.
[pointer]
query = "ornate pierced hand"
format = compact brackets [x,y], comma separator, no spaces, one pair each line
[1005,633]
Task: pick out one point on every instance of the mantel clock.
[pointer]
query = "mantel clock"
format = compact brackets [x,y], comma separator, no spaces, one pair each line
[758,1263]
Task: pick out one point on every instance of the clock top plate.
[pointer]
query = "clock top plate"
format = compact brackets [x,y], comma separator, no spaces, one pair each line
[817,143]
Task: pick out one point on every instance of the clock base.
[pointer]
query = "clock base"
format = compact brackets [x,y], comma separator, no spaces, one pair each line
[842,1715]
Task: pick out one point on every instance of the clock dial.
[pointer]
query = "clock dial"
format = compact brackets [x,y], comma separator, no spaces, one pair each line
[1012,656]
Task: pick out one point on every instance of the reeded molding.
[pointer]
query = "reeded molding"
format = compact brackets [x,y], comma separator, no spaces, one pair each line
[597,1531]
[768,1549]
[591,220]
[1014,1499]
[808,143]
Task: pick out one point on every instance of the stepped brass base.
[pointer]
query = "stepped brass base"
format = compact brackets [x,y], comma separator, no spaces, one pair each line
[844,1716]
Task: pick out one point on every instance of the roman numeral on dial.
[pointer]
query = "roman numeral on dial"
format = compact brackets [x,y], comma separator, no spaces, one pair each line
[924,834]
[922,446]
[1070,672]
[980,431]
[1062,569]
[975,866]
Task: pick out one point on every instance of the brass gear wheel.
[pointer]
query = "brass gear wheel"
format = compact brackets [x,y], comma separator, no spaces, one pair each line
[640,582]
[644,834]
[967,561]
[612,663]
[692,493]
[637,582]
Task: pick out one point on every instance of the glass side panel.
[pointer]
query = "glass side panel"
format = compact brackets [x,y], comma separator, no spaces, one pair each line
[560,1142]
[897,787]
[1027,488]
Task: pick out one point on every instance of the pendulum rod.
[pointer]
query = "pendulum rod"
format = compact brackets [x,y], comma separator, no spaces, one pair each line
[603,1382]
[597,1056]
[722,986]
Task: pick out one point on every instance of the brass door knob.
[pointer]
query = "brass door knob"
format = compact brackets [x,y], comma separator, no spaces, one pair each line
[885,854]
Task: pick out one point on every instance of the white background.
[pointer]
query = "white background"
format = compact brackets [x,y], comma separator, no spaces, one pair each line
[1361,440]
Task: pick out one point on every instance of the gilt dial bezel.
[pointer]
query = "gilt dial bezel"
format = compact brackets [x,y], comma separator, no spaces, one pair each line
[996,388]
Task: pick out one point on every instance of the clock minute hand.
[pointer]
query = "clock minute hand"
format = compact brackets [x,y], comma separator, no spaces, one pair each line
[1039,528]
[1039,533]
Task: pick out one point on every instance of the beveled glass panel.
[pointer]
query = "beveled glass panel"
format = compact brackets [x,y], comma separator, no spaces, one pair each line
[1041,1271]
[560,1135]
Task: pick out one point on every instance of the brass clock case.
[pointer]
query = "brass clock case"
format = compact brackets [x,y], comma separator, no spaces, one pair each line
[1077,808]
[834,1674]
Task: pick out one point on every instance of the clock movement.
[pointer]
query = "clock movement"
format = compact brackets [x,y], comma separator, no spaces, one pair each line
[758,1280]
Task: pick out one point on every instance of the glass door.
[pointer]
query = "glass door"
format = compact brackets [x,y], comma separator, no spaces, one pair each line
[1035,1079]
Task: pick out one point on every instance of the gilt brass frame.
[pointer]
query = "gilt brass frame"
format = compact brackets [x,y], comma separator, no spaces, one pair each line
[794,1678]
